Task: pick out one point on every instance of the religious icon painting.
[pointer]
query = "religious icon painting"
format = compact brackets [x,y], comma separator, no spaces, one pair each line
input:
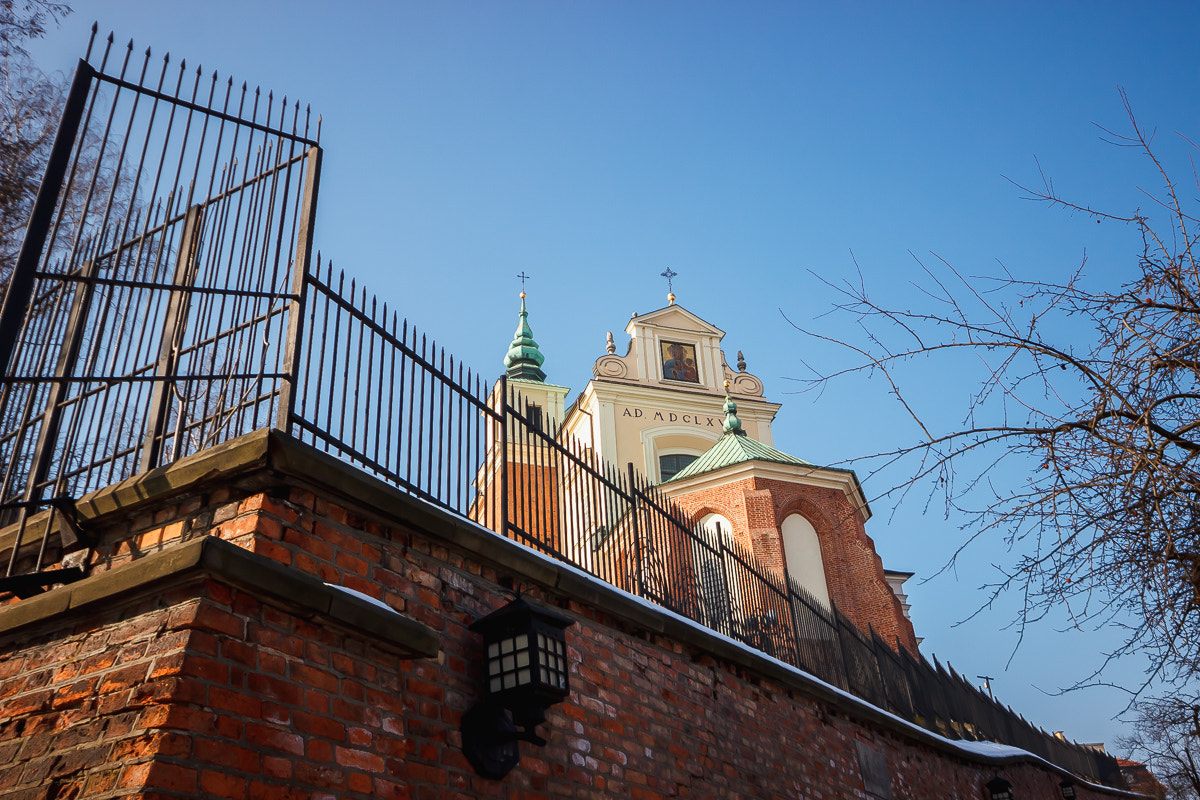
[679,362]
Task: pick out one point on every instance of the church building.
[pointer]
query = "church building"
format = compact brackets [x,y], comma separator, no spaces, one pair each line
[673,408]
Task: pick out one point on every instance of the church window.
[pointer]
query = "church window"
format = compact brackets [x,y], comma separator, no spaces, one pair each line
[802,551]
[533,415]
[671,464]
[709,556]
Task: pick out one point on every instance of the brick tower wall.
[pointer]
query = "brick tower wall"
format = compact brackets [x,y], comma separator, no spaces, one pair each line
[757,507]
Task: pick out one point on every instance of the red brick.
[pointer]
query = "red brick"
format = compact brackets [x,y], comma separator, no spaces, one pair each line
[218,620]
[226,754]
[318,775]
[274,738]
[319,726]
[358,759]
[205,669]
[237,702]
[171,777]
[221,784]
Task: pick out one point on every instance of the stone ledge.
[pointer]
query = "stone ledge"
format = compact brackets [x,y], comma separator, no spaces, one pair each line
[219,463]
[227,563]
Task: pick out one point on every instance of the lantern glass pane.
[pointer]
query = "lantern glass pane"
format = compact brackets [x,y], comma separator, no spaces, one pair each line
[506,645]
[522,677]
[510,680]
[494,685]
[494,667]
[523,658]
[493,650]
[522,641]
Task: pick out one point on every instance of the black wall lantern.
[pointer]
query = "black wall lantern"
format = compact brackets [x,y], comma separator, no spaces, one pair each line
[999,789]
[1068,790]
[525,672]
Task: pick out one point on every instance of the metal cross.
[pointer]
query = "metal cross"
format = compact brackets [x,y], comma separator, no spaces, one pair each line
[523,278]
[668,274]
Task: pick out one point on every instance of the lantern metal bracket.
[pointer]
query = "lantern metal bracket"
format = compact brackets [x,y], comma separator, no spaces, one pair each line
[490,736]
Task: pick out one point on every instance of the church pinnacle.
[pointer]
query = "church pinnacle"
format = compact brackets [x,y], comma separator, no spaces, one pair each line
[732,423]
[524,360]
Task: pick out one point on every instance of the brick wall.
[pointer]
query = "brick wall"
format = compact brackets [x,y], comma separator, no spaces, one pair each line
[201,685]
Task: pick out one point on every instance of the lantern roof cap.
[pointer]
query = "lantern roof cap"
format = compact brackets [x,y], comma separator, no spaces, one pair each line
[511,613]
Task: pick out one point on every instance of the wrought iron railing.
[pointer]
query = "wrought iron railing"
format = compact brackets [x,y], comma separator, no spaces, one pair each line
[176,307]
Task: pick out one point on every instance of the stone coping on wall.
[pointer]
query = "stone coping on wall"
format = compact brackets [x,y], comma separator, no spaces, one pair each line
[229,564]
[269,457]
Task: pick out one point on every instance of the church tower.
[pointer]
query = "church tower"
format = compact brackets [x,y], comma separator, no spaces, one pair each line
[672,406]
[672,409]
[541,403]
[530,464]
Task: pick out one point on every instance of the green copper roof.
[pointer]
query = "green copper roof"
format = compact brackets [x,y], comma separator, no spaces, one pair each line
[734,447]
[524,360]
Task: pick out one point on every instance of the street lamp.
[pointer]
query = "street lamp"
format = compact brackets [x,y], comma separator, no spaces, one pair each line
[525,654]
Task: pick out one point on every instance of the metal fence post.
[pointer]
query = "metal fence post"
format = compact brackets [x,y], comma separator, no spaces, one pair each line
[504,455]
[20,286]
[639,577]
[300,267]
[172,338]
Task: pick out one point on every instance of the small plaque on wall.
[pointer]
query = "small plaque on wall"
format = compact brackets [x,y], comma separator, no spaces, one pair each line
[874,769]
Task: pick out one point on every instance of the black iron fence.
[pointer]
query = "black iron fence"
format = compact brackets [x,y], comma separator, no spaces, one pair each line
[153,309]
[165,301]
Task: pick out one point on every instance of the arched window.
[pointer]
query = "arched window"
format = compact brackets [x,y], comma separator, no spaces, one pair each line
[710,522]
[714,593]
[802,551]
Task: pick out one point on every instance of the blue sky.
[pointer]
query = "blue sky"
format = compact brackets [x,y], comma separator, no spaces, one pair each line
[751,147]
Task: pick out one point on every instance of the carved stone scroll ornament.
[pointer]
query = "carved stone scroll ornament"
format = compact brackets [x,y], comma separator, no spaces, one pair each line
[610,367]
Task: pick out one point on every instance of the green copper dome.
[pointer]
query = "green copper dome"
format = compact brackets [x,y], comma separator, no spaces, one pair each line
[523,360]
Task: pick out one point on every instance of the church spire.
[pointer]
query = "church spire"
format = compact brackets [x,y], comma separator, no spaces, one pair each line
[524,360]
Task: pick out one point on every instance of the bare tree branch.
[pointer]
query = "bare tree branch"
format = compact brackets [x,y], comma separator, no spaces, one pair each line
[1083,459]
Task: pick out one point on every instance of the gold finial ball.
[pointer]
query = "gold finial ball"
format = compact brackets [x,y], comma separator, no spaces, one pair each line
[522,295]
[671,298]
[727,385]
